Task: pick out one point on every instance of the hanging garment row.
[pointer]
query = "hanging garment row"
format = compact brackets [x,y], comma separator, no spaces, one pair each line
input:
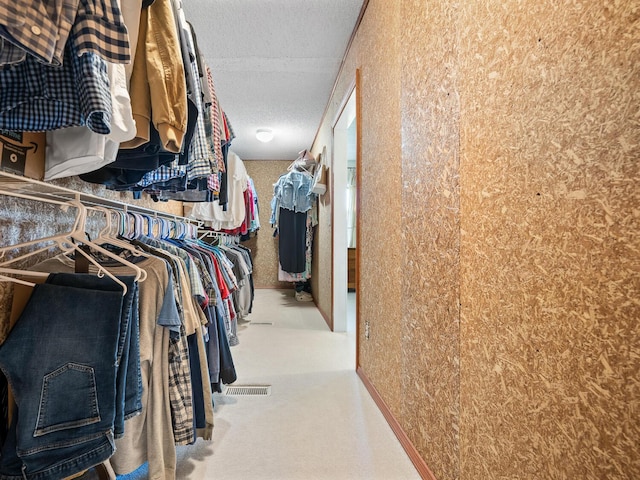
[241,214]
[127,101]
[293,215]
[242,261]
[141,341]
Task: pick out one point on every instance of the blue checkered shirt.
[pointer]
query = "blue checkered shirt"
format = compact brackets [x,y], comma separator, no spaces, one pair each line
[163,174]
[38,97]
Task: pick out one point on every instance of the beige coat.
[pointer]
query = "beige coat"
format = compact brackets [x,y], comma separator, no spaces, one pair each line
[158,87]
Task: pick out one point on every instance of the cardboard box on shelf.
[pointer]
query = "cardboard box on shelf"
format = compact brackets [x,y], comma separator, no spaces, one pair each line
[22,153]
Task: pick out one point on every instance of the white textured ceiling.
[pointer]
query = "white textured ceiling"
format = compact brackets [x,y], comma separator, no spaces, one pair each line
[274,63]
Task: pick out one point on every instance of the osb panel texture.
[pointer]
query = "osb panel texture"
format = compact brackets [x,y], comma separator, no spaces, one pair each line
[24,220]
[550,102]
[375,51]
[394,357]
[264,247]
[379,243]
[430,233]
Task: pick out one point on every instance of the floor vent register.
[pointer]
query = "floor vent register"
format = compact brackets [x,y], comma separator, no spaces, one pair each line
[248,390]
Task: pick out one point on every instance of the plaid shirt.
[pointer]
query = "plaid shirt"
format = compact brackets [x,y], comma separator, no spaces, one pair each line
[180,389]
[207,279]
[227,266]
[37,27]
[200,156]
[42,29]
[38,97]
[163,174]
[99,28]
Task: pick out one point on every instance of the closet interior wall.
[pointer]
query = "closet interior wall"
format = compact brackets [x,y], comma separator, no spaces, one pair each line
[22,220]
[499,241]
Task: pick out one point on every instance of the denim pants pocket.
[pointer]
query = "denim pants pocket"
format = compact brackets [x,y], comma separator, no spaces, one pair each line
[128,381]
[61,360]
[69,399]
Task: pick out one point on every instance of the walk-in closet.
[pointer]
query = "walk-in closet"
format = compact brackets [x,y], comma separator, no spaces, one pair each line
[124,309]
[119,309]
[319,240]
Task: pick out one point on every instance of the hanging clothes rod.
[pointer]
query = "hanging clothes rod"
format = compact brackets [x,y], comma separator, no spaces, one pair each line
[30,189]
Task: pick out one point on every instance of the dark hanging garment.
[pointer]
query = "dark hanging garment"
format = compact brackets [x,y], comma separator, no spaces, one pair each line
[292,227]
[223,197]
[227,368]
[4,407]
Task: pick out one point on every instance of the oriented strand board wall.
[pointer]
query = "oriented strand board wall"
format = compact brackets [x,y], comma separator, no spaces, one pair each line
[24,220]
[264,247]
[322,251]
[376,52]
[550,175]
[430,233]
[519,147]
[411,356]
[379,241]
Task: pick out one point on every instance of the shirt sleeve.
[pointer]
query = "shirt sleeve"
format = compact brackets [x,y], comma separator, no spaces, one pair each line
[169,316]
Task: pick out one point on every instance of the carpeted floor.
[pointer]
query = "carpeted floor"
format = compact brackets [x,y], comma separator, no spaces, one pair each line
[318,423]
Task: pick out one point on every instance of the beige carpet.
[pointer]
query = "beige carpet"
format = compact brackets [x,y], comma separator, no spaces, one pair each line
[319,421]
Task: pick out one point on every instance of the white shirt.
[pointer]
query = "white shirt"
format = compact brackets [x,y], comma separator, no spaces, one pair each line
[77,150]
[237,181]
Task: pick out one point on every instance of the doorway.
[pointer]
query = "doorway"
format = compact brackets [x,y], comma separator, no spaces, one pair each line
[345,212]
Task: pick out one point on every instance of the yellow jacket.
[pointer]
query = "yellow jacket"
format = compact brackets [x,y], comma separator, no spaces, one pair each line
[158,87]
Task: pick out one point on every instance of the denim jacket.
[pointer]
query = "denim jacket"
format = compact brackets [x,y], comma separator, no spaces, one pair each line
[293,192]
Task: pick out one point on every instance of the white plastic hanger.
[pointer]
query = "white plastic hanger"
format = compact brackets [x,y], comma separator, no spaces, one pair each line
[16,280]
[71,241]
[107,235]
[21,281]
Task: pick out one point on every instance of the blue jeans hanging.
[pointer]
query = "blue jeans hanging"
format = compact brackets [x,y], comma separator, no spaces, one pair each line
[61,362]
